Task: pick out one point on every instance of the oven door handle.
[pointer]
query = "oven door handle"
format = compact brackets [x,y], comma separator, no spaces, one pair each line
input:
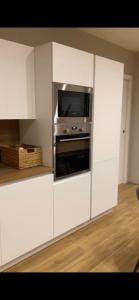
[76,139]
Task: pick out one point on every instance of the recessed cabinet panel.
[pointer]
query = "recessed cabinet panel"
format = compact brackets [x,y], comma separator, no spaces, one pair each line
[71,203]
[17,95]
[26,214]
[104,186]
[107,108]
[72,66]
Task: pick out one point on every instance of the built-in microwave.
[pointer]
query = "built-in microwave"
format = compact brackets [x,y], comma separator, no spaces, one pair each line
[71,102]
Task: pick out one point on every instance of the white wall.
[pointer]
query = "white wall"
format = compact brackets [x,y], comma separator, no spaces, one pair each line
[71,37]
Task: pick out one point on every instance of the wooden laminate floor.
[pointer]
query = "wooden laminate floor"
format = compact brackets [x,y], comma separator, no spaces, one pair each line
[110,244]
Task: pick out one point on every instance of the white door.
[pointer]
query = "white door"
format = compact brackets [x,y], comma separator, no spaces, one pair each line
[104,187]
[0,248]
[107,108]
[17,91]
[106,133]
[72,65]
[124,137]
[26,216]
[71,203]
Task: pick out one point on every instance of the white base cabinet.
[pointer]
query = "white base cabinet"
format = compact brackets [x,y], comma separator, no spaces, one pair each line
[0,248]
[26,216]
[104,186]
[71,203]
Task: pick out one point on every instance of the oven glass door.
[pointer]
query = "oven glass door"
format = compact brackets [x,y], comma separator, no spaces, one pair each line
[72,156]
[73,104]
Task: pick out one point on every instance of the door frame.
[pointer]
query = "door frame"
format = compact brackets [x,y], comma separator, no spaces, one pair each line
[128,120]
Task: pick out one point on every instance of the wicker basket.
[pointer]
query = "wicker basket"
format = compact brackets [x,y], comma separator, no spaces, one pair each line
[21,156]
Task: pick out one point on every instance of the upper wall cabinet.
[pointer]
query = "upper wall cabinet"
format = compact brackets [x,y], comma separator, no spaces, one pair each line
[72,66]
[17,96]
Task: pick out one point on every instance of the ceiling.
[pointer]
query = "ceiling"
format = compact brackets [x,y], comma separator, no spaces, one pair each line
[127,38]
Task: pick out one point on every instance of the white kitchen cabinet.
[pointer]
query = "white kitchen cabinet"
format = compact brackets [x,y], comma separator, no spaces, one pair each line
[72,65]
[26,215]
[104,186]
[107,110]
[0,249]
[17,94]
[53,63]
[71,203]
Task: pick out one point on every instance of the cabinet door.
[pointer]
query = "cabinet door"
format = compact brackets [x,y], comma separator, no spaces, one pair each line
[104,186]
[26,214]
[0,248]
[72,66]
[71,203]
[107,108]
[17,96]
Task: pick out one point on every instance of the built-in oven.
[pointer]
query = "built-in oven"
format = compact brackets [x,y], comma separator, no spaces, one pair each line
[71,154]
[71,102]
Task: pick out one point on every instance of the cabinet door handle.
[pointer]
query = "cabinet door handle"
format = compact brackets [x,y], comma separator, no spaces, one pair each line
[74,139]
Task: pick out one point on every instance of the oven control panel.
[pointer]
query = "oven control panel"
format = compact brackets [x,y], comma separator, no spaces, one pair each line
[67,129]
[73,129]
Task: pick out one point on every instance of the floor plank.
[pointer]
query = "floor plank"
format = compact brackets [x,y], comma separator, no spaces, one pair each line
[110,244]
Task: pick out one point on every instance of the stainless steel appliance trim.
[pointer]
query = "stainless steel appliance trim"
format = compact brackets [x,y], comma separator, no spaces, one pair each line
[76,139]
[71,175]
[54,157]
[60,129]
[64,86]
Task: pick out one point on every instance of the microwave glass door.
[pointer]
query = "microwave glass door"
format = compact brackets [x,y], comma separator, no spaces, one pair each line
[73,104]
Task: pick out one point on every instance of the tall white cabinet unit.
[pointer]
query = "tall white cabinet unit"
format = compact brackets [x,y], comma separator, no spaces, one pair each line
[53,63]
[17,91]
[108,85]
